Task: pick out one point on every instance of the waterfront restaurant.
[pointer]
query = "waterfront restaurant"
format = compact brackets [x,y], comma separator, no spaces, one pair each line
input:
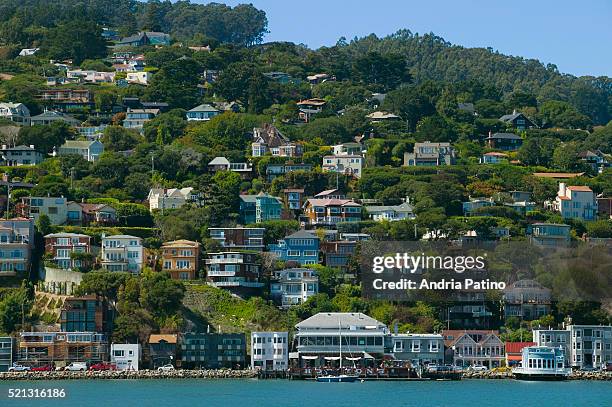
[318,340]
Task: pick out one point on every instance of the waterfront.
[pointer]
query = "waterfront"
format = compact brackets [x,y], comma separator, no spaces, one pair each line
[252,392]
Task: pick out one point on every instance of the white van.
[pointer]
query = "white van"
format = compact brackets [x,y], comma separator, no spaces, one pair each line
[76,367]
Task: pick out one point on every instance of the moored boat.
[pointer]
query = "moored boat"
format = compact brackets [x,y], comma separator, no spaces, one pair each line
[542,363]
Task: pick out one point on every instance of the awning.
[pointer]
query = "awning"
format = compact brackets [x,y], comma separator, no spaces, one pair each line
[515,357]
[366,355]
[332,358]
[309,357]
[294,355]
[357,358]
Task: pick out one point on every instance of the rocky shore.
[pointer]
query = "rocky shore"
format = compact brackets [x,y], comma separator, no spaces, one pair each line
[141,374]
[577,375]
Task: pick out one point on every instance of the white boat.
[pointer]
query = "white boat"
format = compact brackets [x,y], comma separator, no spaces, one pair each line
[542,363]
[338,378]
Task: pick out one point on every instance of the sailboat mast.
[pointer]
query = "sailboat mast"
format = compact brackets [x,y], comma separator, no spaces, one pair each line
[340,336]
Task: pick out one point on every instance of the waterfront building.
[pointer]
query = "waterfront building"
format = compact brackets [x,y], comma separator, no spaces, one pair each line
[62,348]
[162,349]
[270,351]
[419,349]
[555,338]
[591,345]
[542,363]
[514,352]
[126,356]
[475,347]
[213,350]
[6,353]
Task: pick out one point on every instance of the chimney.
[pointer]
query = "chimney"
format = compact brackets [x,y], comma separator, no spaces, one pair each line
[4,146]
[562,188]
[514,111]
[32,146]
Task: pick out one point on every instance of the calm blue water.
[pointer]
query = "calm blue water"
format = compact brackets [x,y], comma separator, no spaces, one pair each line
[242,393]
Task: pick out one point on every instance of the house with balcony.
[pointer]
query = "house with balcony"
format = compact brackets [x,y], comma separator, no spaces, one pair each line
[238,272]
[16,243]
[430,154]
[239,238]
[89,150]
[474,204]
[276,170]
[203,112]
[122,253]
[549,234]
[309,108]
[66,99]
[318,338]
[268,139]
[293,198]
[245,170]
[139,78]
[16,112]
[527,300]
[493,157]
[213,350]
[144,38]
[63,249]
[181,259]
[293,286]
[350,165]
[63,348]
[90,313]
[518,121]
[260,208]
[90,76]
[136,118]
[475,347]
[597,160]
[7,344]
[270,351]
[319,212]
[337,253]
[301,247]
[390,212]
[20,155]
[504,141]
[418,349]
[82,213]
[56,208]
[50,116]
[575,202]
[169,198]
[350,148]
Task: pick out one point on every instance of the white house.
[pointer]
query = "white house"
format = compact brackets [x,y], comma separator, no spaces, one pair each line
[575,202]
[91,76]
[122,253]
[172,198]
[15,112]
[293,286]
[139,77]
[391,212]
[343,164]
[56,208]
[89,150]
[20,155]
[202,113]
[126,356]
[270,350]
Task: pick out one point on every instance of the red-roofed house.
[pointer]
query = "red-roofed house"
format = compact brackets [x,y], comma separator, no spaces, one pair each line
[575,202]
[514,351]
[331,211]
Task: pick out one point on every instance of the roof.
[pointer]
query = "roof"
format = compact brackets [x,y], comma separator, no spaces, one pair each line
[558,174]
[382,116]
[579,188]
[451,336]
[205,107]
[517,347]
[219,161]
[302,234]
[333,202]
[495,154]
[181,243]
[511,117]
[334,320]
[326,192]
[312,102]
[92,207]
[404,207]
[157,338]
[122,237]
[79,143]
[66,235]
[19,148]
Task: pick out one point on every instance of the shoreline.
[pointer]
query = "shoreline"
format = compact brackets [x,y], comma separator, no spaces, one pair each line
[231,374]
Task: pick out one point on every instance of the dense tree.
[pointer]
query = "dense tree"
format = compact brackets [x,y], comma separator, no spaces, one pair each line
[244,82]
[385,71]
[176,83]
[554,113]
[76,40]
[45,138]
[117,138]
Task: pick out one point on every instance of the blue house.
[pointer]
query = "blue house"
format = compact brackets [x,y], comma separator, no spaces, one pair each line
[301,247]
[474,204]
[260,208]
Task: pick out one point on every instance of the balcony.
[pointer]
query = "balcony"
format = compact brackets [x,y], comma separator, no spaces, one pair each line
[221,273]
[225,261]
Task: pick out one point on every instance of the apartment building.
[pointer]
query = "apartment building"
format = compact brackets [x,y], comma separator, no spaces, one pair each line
[56,208]
[59,348]
[16,243]
[235,271]
[419,349]
[301,247]
[293,286]
[428,153]
[213,350]
[270,351]
[239,238]
[181,258]
[62,248]
[122,253]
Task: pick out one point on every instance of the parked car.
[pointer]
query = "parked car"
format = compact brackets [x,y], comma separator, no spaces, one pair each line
[76,367]
[165,368]
[478,368]
[45,368]
[103,366]
[19,368]
[606,367]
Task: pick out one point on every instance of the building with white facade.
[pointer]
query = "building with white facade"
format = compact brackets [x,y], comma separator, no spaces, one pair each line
[126,356]
[89,150]
[139,78]
[170,198]
[16,243]
[575,202]
[293,286]
[20,155]
[390,212]
[344,164]
[270,350]
[15,112]
[122,253]
[585,346]
[56,208]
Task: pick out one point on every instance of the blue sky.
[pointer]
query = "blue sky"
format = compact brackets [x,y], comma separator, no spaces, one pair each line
[574,35]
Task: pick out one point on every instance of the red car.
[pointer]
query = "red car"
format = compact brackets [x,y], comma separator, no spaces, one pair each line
[103,366]
[46,368]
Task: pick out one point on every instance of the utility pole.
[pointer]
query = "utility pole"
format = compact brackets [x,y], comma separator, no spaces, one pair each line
[8,197]
[152,165]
